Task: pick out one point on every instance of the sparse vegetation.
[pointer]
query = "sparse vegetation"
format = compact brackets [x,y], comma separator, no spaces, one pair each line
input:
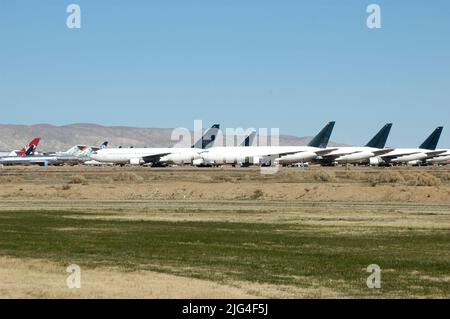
[257,194]
[6,179]
[128,177]
[385,177]
[323,176]
[78,179]
[423,179]
[353,176]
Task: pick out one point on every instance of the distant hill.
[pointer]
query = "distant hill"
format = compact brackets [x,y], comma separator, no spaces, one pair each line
[53,138]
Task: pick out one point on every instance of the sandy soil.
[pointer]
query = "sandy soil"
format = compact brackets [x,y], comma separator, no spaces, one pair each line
[42,279]
[212,185]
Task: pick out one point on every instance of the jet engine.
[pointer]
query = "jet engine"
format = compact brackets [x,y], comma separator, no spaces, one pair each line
[136,161]
[375,161]
[198,162]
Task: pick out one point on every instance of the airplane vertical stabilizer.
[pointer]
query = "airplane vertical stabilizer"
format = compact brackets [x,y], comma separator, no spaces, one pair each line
[321,139]
[248,141]
[207,140]
[379,140]
[432,141]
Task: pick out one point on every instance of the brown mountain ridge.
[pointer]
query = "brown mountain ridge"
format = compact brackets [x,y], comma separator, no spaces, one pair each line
[53,138]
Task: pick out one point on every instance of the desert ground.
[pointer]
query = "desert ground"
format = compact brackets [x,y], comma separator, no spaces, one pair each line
[187,232]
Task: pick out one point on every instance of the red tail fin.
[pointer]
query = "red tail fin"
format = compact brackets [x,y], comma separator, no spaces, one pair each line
[30,148]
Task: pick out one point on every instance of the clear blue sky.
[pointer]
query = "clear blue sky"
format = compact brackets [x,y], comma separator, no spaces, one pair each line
[244,63]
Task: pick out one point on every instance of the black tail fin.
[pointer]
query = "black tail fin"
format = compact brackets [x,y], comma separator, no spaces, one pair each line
[248,141]
[379,140]
[208,138]
[321,139]
[432,141]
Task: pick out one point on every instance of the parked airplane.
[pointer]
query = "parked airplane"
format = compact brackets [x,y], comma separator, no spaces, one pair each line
[157,156]
[75,155]
[249,140]
[26,155]
[414,156]
[266,155]
[42,160]
[443,158]
[350,154]
[81,150]
[29,149]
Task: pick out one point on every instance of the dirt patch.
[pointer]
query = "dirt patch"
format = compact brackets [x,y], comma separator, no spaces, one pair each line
[42,279]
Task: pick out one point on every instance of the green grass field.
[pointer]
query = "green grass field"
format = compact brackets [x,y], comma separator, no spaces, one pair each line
[415,262]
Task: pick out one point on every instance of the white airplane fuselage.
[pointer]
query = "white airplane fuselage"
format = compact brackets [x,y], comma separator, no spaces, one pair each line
[136,156]
[406,155]
[444,157]
[350,154]
[258,154]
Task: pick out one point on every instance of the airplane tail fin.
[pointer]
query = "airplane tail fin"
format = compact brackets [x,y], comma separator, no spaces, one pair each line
[208,138]
[321,139]
[248,141]
[104,145]
[379,140]
[30,148]
[432,141]
[85,150]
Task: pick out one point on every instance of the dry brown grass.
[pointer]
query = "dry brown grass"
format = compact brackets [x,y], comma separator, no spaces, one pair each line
[323,176]
[78,179]
[386,178]
[25,278]
[257,194]
[292,184]
[128,177]
[423,179]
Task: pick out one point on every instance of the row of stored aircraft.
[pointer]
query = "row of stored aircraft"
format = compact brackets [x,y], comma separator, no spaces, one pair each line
[78,154]
[374,152]
[204,153]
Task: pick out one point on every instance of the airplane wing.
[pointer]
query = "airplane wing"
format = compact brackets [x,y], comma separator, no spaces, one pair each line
[325,151]
[435,153]
[429,154]
[382,151]
[154,158]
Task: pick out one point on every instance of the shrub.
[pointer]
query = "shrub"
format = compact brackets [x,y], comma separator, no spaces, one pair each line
[257,194]
[354,175]
[323,176]
[386,177]
[128,177]
[78,179]
[222,178]
[424,179]
[6,179]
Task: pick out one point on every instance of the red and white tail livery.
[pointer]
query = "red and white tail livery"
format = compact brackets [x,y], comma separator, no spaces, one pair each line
[30,148]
